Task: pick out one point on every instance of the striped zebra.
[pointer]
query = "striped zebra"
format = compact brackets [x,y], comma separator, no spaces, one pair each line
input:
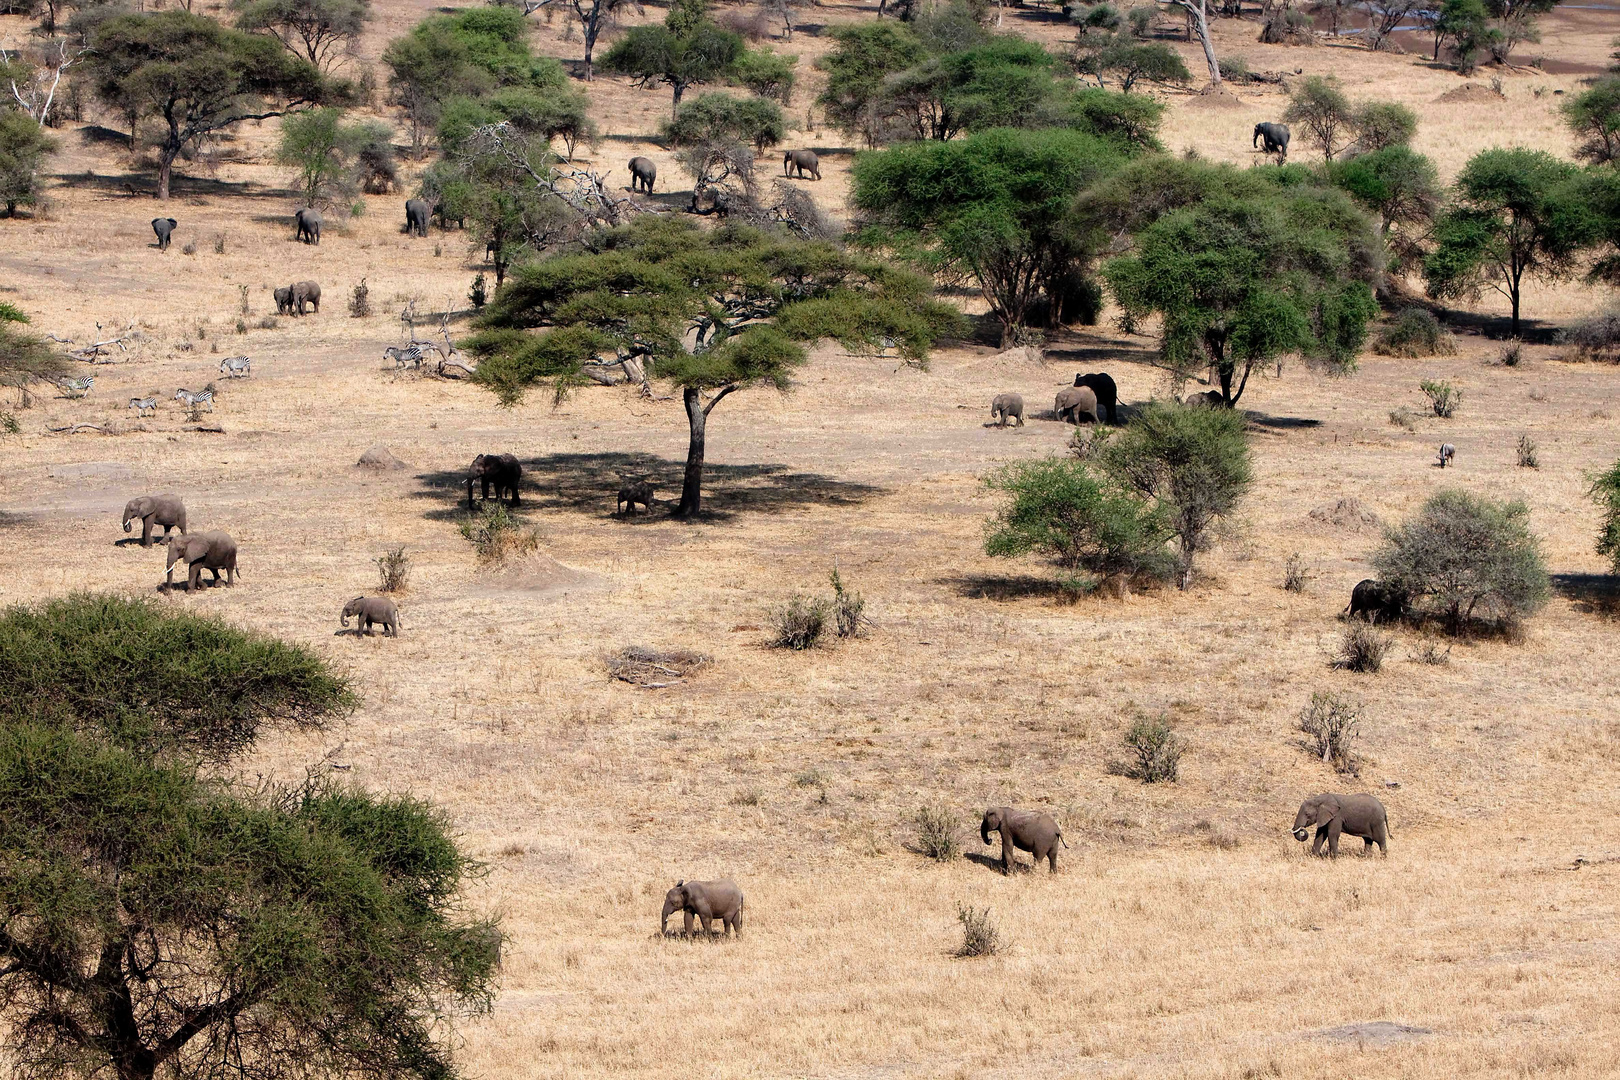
[143,405]
[204,397]
[76,388]
[235,367]
[409,356]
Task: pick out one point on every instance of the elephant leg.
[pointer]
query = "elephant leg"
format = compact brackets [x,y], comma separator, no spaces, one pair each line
[688,931]
[1006,853]
[146,532]
[1321,837]
[1334,830]
[1051,859]
[194,578]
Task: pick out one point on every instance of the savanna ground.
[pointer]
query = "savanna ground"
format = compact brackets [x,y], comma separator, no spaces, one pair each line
[1186,935]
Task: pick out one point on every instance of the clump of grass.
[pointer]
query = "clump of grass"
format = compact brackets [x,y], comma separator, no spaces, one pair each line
[268,322]
[799,623]
[1527,453]
[980,936]
[1294,574]
[496,534]
[1430,653]
[10,424]
[1331,724]
[810,778]
[242,290]
[190,248]
[1513,353]
[1413,333]
[848,608]
[1403,418]
[750,796]
[241,326]
[393,569]
[219,243]
[936,833]
[1157,750]
[1596,337]
[1443,397]
[360,301]
[1361,648]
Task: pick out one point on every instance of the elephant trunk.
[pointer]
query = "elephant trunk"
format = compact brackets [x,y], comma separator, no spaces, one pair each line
[984,831]
[126,522]
[344,619]
[1302,835]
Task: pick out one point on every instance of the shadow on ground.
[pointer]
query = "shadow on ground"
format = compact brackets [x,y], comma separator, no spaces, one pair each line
[1591,594]
[590,483]
[1001,587]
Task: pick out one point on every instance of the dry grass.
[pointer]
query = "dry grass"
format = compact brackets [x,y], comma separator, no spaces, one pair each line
[1157,951]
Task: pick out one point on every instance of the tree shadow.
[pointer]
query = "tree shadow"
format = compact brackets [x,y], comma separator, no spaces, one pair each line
[591,482]
[1499,327]
[1281,423]
[1001,587]
[1099,354]
[1590,594]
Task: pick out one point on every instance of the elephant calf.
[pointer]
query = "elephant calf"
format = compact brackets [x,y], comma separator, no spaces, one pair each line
[1025,830]
[1073,401]
[1004,407]
[371,609]
[165,510]
[1336,815]
[213,551]
[638,492]
[1373,600]
[708,901]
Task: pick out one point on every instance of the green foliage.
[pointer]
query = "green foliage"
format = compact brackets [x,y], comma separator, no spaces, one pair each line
[131,672]
[24,358]
[1518,213]
[1412,333]
[1402,187]
[374,163]
[1604,490]
[799,623]
[718,117]
[687,50]
[1157,750]
[10,312]
[864,55]
[952,26]
[1130,62]
[1593,117]
[1466,25]
[1096,18]
[1006,82]
[1383,124]
[324,151]
[1063,510]
[1471,557]
[320,30]
[1443,397]
[766,73]
[23,147]
[1319,108]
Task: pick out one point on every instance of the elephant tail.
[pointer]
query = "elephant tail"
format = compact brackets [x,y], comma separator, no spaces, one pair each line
[1062,841]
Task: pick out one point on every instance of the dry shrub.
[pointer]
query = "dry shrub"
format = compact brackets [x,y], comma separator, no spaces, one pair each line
[1157,751]
[360,302]
[1294,575]
[1513,353]
[848,608]
[496,534]
[799,623]
[1597,337]
[753,25]
[1443,397]
[1403,418]
[1331,724]
[1361,648]
[654,667]
[1430,653]
[1413,333]
[750,796]
[980,937]
[393,570]
[936,833]
[1346,514]
[1527,453]
[810,778]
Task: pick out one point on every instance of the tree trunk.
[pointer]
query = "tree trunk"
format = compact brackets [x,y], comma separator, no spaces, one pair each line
[1198,19]
[165,171]
[692,485]
[592,26]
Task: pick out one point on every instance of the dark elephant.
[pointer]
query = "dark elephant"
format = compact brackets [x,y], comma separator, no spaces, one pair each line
[801,161]
[213,551]
[1025,830]
[368,610]
[1348,815]
[1209,398]
[163,226]
[638,492]
[417,212]
[309,225]
[446,216]
[284,300]
[165,510]
[305,292]
[1276,137]
[642,174]
[1373,600]
[708,901]
[1072,401]
[502,470]
[1102,384]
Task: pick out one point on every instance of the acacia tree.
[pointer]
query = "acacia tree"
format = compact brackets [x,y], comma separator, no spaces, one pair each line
[1594,117]
[686,50]
[1320,107]
[23,147]
[1403,188]
[24,358]
[711,312]
[593,17]
[198,77]
[865,54]
[320,30]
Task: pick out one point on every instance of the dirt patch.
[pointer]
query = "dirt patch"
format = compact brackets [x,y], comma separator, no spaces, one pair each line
[1375,1033]
[1471,93]
[1346,514]
[540,573]
[106,472]
[380,457]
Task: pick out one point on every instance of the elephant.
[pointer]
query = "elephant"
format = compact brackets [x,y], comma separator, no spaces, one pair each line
[1072,401]
[1025,830]
[163,226]
[1209,399]
[213,551]
[642,174]
[708,900]
[446,216]
[801,161]
[502,470]
[371,609]
[309,225]
[1102,384]
[284,301]
[1351,815]
[638,492]
[306,292]
[165,510]
[1276,137]
[1373,600]
[1004,407]
[1447,452]
[417,212]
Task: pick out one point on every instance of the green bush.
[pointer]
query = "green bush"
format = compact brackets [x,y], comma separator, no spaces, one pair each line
[497,534]
[848,608]
[1605,491]
[1412,333]
[1157,750]
[1443,397]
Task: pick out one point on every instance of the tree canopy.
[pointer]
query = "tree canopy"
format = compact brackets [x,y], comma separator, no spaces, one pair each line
[864,54]
[1402,187]
[1594,117]
[24,358]
[322,31]
[23,146]
[686,50]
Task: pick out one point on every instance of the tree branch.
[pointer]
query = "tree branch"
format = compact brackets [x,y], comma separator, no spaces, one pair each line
[724,390]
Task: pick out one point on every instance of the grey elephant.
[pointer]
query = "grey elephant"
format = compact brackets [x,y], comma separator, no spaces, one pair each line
[1072,401]
[1024,830]
[1275,135]
[502,470]
[371,609]
[642,174]
[214,551]
[1343,815]
[163,226]
[1004,407]
[1373,600]
[639,492]
[1208,399]
[165,510]
[801,161]
[309,225]
[708,901]
[417,212]
[284,301]
[306,292]
[1102,384]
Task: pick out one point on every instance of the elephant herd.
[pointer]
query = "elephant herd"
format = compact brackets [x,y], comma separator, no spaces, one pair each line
[1089,394]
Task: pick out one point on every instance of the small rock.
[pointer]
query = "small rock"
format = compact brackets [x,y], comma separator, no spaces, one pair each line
[1392,783]
[380,457]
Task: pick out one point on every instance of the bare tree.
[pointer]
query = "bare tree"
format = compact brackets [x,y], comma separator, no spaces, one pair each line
[1386,16]
[593,16]
[38,91]
[1197,12]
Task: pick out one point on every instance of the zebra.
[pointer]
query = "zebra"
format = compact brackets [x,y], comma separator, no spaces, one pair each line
[76,388]
[143,405]
[409,356]
[205,397]
[236,366]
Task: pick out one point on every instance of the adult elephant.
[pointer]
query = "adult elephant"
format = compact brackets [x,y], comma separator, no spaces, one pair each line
[306,292]
[1275,135]
[802,161]
[643,171]
[163,226]
[417,212]
[1102,384]
[502,470]
[214,551]
[1024,830]
[1071,401]
[165,510]
[1373,600]
[1343,815]
[309,225]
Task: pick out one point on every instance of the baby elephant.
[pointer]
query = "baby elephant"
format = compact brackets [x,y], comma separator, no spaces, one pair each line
[372,609]
[214,551]
[638,492]
[1025,830]
[1350,815]
[165,510]
[708,900]
[1004,407]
